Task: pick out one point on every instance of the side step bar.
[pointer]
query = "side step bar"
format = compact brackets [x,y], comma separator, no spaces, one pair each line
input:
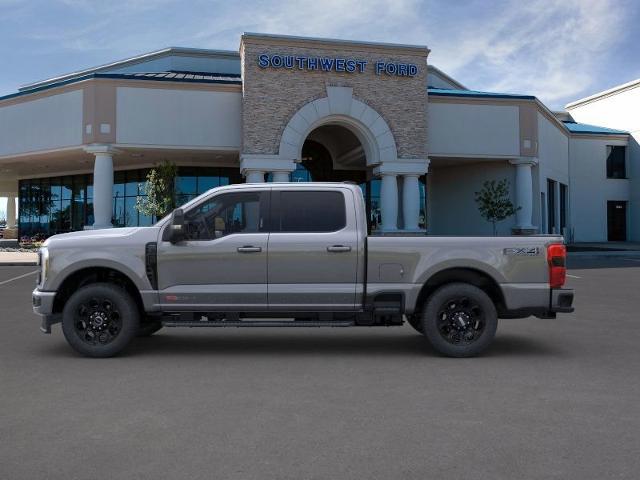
[258,323]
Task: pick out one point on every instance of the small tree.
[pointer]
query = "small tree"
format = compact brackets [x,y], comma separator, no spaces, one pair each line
[494,203]
[160,197]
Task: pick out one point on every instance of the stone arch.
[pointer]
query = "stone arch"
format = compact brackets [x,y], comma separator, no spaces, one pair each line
[340,108]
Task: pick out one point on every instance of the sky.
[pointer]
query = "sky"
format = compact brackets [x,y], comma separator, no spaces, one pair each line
[558,50]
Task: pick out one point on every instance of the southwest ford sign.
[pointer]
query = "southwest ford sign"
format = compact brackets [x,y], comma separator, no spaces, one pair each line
[331,64]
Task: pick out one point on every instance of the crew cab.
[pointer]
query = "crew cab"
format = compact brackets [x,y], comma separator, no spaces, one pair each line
[291,255]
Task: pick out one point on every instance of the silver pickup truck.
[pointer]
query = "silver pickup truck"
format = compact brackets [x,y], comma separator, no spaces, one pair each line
[291,255]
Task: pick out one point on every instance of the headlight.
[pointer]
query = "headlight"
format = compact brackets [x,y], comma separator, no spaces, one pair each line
[43,260]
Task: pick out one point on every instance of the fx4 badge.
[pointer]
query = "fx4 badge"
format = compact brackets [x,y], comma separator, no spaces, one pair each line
[522,252]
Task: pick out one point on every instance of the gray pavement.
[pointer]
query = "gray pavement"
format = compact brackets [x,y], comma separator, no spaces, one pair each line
[551,399]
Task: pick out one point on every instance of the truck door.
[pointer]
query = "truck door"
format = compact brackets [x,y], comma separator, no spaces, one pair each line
[222,263]
[313,250]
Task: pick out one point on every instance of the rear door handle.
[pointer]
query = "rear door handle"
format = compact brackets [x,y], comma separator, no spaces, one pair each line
[339,248]
[249,249]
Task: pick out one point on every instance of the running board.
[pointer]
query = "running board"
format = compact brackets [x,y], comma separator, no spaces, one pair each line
[259,323]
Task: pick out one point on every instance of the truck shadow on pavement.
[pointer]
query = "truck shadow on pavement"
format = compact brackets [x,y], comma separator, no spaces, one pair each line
[268,344]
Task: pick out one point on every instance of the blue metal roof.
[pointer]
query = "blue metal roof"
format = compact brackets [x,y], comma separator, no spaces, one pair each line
[575,127]
[444,92]
[173,76]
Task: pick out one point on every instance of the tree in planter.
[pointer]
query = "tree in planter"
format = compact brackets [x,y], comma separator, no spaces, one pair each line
[494,203]
[160,197]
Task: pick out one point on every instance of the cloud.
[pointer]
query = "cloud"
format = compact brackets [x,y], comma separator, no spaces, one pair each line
[555,49]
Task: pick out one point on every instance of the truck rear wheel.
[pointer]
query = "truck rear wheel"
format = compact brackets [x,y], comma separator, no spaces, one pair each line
[99,320]
[459,320]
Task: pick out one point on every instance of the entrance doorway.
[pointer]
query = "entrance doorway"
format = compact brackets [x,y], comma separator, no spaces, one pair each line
[617,221]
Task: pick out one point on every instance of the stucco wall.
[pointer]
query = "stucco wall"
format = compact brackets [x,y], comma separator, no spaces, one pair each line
[45,123]
[621,111]
[165,117]
[590,189]
[463,129]
[271,96]
[453,208]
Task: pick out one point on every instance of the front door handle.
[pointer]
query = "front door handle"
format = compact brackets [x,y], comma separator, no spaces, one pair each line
[249,249]
[339,248]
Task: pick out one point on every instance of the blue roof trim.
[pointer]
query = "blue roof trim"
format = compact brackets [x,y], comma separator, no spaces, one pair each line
[226,79]
[575,127]
[444,92]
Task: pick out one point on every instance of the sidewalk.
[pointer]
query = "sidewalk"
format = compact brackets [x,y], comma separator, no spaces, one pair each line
[18,259]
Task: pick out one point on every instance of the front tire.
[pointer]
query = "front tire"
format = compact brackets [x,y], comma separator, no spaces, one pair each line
[459,320]
[100,319]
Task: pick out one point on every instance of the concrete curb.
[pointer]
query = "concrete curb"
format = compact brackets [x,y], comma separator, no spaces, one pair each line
[616,253]
[18,264]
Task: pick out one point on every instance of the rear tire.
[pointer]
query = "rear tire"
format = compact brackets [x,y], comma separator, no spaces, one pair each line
[100,320]
[459,320]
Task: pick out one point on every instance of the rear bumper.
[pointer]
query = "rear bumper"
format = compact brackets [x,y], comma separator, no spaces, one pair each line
[43,305]
[561,300]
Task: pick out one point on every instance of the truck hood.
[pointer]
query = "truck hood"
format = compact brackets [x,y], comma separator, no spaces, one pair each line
[106,237]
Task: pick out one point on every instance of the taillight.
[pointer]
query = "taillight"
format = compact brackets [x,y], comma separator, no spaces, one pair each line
[557,258]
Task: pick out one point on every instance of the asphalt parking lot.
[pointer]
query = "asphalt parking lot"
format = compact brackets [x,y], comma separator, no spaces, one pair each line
[551,399]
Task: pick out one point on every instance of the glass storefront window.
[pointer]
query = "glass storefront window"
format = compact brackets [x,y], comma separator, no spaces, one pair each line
[61,204]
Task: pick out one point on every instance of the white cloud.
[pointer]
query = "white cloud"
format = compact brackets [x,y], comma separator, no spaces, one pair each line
[551,48]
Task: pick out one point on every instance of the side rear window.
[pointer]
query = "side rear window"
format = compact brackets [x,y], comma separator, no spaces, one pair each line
[309,211]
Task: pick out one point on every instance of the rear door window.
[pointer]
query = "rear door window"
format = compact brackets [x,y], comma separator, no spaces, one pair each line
[311,211]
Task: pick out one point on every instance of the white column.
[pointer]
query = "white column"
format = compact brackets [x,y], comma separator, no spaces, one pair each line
[389,202]
[410,201]
[102,185]
[524,192]
[11,212]
[280,176]
[254,176]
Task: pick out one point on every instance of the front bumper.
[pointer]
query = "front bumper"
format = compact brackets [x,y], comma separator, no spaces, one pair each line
[43,305]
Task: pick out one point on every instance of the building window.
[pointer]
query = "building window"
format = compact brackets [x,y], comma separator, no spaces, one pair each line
[551,206]
[563,207]
[62,204]
[616,161]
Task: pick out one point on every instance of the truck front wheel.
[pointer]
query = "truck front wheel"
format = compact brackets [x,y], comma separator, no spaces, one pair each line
[100,319]
[459,320]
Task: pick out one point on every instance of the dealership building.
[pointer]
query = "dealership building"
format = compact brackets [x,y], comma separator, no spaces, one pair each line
[75,149]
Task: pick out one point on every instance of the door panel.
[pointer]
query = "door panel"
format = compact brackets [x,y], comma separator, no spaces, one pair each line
[312,270]
[617,221]
[222,265]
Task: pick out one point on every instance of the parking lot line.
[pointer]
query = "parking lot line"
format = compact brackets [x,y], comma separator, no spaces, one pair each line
[573,276]
[18,277]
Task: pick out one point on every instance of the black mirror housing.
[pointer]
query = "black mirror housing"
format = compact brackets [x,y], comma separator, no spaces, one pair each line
[175,231]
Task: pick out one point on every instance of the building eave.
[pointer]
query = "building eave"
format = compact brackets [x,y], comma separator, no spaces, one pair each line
[603,94]
[131,61]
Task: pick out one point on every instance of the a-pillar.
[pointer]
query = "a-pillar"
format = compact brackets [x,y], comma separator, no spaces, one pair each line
[102,185]
[524,195]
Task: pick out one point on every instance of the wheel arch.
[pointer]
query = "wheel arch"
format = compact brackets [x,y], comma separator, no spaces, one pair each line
[95,274]
[472,276]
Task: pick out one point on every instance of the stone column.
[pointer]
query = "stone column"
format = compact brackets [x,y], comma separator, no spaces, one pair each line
[11,212]
[254,166]
[280,176]
[524,195]
[389,202]
[102,185]
[410,201]
[254,176]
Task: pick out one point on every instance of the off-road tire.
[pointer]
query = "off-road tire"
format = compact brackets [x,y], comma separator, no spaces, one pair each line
[100,302]
[453,301]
